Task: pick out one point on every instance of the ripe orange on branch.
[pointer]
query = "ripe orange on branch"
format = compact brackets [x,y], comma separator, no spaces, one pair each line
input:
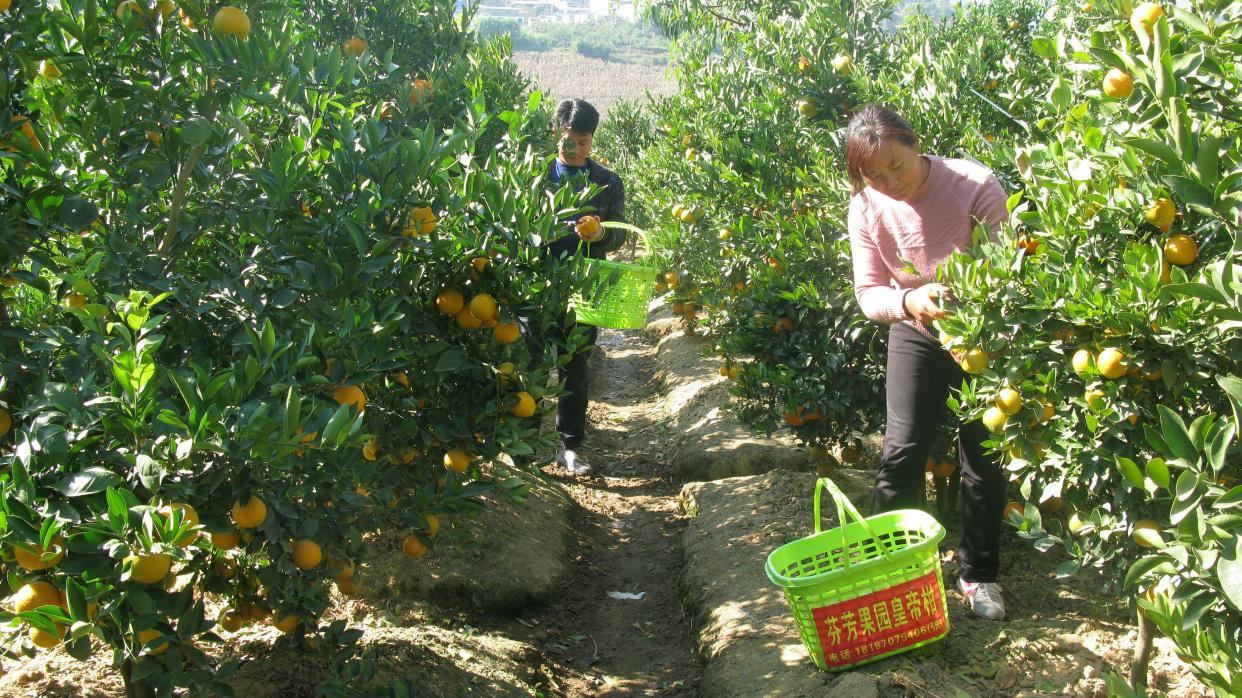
[1181,250]
[249,514]
[450,301]
[231,21]
[350,395]
[1118,84]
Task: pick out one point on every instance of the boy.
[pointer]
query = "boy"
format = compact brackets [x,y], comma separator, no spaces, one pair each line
[575,122]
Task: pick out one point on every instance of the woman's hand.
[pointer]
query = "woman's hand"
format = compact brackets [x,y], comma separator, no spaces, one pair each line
[923,303]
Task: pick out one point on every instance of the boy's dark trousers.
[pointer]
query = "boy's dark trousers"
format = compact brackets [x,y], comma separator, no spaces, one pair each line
[571,408]
[920,375]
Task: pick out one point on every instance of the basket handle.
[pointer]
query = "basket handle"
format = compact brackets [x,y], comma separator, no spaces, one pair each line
[844,506]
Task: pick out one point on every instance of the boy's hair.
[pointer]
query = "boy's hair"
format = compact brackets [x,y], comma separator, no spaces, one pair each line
[577,115]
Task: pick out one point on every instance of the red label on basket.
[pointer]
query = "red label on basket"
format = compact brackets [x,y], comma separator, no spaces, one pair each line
[881,622]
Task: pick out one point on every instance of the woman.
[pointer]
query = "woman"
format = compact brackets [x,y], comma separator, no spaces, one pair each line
[909,212]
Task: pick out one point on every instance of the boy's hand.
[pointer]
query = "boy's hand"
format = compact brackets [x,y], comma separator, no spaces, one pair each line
[588,228]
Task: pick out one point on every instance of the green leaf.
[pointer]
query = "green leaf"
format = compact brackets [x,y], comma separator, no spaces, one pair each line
[450,360]
[196,131]
[1144,566]
[338,421]
[1158,471]
[1130,470]
[284,298]
[76,212]
[89,481]
[1232,385]
[293,411]
[1229,573]
[1156,148]
[1199,605]
[1195,290]
[150,472]
[1176,436]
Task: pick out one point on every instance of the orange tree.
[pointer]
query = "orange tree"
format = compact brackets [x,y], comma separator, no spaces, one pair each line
[1107,319]
[744,182]
[1113,317]
[262,269]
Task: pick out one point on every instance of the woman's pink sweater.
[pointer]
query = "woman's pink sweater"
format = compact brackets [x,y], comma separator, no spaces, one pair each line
[886,234]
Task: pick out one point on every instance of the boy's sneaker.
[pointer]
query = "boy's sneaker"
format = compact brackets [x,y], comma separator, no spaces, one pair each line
[573,462]
[984,597]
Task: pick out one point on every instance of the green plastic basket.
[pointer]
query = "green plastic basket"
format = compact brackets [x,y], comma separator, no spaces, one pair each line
[867,589]
[616,294]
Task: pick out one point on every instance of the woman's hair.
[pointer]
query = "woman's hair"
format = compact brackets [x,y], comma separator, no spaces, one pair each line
[870,127]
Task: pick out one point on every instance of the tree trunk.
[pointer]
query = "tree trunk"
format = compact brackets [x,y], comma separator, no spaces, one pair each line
[141,689]
[1142,652]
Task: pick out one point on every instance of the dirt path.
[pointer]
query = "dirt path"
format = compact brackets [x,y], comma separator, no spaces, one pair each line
[626,542]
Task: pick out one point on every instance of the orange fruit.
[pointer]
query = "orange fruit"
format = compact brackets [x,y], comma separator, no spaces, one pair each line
[43,638]
[1181,250]
[149,635]
[33,595]
[164,8]
[350,395]
[1146,534]
[370,449]
[307,554]
[1052,505]
[414,547]
[422,221]
[1161,213]
[587,227]
[402,377]
[944,468]
[149,568]
[1082,360]
[250,514]
[1145,15]
[355,46]
[1012,509]
[419,90]
[226,540]
[188,516]
[31,559]
[506,332]
[524,407]
[1112,363]
[285,622]
[349,587]
[468,320]
[76,300]
[6,421]
[803,64]
[1009,401]
[433,525]
[49,70]
[457,460]
[231,21]
[230,622]
[1118,84]
[450,301]
[1095,398]
[974,360]
[483,306]
[994,418]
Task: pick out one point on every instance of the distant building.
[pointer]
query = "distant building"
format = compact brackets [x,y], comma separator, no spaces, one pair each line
[562,11]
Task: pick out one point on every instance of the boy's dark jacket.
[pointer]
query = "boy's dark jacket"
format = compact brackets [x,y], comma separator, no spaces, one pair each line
[609,205]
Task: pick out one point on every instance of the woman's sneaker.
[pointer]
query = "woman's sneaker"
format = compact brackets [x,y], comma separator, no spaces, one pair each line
[573,462]
[984,597]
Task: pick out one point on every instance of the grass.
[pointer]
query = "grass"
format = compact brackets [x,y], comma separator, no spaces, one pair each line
[563,75]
